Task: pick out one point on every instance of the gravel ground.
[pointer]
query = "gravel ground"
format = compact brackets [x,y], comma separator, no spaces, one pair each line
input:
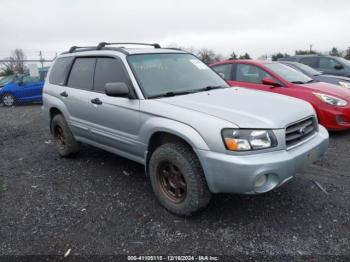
[101,204]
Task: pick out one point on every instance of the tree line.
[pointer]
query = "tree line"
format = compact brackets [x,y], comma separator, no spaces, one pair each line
[14,64]
[333,52]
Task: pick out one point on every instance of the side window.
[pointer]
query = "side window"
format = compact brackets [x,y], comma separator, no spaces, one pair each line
[59,70]
[109,70]
[224,71]
[30,79]
[327,63]
[250,73]
[310,61]
[82,73]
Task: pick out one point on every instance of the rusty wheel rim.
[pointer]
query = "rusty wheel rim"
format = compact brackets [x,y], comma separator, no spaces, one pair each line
[171,182]
[59,137]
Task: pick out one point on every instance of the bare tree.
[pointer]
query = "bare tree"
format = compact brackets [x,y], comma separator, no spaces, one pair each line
[14,63]
[208,56]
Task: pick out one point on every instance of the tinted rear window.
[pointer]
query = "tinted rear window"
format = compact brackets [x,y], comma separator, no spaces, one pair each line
[82,73]
[60,70]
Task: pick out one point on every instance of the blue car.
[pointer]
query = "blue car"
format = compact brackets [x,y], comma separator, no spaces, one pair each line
[22,88]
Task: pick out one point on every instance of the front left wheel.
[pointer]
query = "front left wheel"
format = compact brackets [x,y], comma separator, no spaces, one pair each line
[8,99]
[178,179]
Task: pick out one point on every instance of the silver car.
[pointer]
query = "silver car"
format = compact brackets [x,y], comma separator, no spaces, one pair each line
[167,110]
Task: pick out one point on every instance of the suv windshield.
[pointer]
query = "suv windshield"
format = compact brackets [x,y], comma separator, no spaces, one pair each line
[289,74]
[172,74]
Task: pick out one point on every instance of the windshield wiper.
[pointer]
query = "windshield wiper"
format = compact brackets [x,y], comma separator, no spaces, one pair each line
[207,88]
[298,82]
[169,94]
[311,81]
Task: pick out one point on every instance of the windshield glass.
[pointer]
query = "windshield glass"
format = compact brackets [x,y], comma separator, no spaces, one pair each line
[288,73]
[309,70]
[6,80]
[159,74]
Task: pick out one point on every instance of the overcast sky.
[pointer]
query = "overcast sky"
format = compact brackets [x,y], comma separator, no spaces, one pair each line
[254,26]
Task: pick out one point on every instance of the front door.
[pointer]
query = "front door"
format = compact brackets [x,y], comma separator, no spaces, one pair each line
[116,120]
[250,76]
[31,88]
[330,66]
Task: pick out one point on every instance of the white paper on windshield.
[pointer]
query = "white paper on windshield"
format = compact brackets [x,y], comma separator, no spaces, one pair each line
[200,65]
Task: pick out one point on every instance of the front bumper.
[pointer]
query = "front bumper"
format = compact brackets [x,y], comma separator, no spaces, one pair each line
[335,118]
[239,173]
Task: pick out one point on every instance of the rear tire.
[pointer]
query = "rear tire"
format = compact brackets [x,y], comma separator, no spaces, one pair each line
[8,99]
[65,142]
[178,179]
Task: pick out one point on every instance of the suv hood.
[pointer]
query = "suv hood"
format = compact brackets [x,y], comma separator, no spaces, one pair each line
[245,108]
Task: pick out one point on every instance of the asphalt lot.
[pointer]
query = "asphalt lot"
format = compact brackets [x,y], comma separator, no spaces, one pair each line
[99,203]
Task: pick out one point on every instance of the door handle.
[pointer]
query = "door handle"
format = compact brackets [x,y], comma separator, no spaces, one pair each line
[64,94]
[96,101]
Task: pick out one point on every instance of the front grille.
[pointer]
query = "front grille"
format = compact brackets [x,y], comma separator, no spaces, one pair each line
[300,131]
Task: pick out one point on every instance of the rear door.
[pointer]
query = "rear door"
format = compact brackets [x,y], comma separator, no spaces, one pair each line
[76,95]
[115,119]
[224,70]
[311,61]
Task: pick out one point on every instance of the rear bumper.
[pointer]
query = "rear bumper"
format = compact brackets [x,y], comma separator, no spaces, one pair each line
[239,173]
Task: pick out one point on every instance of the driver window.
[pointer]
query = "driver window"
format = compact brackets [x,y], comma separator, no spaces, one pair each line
[328,63]
[29,79]
[250,73]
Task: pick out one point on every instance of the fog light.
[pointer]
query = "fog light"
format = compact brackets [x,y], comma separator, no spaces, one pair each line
[260,181]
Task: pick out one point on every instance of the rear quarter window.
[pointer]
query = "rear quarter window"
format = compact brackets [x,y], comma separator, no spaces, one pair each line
[59,71]
[310,61]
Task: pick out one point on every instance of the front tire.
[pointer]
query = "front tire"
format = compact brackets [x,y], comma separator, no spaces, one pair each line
[178,179]
[8,99]
[66,144]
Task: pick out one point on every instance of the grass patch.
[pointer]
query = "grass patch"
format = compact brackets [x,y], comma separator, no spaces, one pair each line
[3,188]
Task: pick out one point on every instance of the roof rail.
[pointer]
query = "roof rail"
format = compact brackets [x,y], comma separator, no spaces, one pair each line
[103,44]
[74,48]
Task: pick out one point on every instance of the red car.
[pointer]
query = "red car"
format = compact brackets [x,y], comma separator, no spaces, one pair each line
[331,102]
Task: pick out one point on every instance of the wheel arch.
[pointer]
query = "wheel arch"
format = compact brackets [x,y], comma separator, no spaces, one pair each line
[53,111]
[160,137]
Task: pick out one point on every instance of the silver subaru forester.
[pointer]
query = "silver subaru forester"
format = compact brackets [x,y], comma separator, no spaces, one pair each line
[167,110]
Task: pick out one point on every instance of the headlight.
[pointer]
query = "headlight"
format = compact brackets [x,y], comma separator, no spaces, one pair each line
[245,139]
[344,84]
[332,100]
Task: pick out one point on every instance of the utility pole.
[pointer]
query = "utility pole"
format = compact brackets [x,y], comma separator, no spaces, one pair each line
[42,60]
[310,48]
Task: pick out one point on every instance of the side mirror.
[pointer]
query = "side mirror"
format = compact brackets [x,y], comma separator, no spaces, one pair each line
[117,89]
[338,67]
[270,82]
[20,82]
